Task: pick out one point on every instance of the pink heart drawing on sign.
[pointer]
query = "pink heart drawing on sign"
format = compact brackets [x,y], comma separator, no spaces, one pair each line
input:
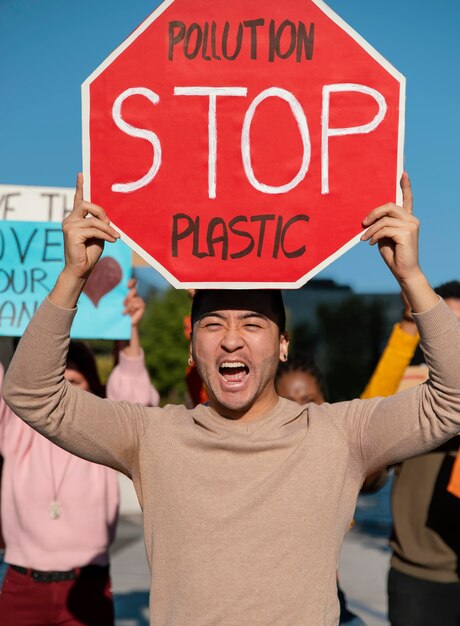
[105,276]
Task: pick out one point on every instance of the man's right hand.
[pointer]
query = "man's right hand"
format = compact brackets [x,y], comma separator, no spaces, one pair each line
[84,239]
[84,236]
[395,230]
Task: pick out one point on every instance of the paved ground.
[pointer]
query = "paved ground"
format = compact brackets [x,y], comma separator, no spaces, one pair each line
[363,569]
[130,573]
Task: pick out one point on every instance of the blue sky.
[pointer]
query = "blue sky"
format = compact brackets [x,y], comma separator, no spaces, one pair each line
[49,47]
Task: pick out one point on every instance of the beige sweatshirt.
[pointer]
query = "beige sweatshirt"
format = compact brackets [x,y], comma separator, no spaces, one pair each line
[243,521]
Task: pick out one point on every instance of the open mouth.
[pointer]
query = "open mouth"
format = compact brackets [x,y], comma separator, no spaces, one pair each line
[233,371]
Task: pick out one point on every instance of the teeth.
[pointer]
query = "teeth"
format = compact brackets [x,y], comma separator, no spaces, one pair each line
[233,364]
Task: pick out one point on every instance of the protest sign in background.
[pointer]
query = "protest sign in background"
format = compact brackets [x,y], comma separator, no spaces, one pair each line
[36,204]
[31,258]
[247,141]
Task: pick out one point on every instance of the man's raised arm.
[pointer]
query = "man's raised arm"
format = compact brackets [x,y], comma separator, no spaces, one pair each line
[85,231]
[393,429]
[395,230]
[35,387]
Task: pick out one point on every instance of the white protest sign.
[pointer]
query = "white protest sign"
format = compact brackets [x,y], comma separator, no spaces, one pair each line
[36,204]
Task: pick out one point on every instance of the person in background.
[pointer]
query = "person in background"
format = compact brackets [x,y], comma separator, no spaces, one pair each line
[2,541]
[424,578]
[301,380]
[59,512]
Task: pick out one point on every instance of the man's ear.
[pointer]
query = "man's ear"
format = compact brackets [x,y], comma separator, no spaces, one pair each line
[284,346]
[191,361]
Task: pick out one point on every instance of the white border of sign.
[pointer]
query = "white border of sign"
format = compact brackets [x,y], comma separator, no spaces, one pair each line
[236,285]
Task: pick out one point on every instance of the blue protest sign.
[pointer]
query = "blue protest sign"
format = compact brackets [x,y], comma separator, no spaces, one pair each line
[31,258]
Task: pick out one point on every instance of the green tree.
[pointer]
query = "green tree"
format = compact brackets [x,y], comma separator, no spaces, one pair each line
[164,343]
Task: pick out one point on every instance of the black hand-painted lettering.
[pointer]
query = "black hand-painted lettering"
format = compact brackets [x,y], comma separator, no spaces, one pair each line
[25,311]
[205,54]
[277,241]
[4,201]
[50,197]
[275,45]
[219,232]
[305,42]
[175,38]
[294,253]
[13,317]
[241,233]
[213,42]
[224,41]
[196,241]
[182,234]
[253,25]
[23,252]
[37,277]
[49,243]
[238,44]
[199,39]
[212,239]
[4,317]
[263,219]
[4,280]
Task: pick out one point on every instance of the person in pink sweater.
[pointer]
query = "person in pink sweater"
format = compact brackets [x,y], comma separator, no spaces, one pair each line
[59,512]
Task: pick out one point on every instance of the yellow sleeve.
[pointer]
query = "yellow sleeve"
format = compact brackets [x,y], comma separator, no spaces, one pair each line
[392,364]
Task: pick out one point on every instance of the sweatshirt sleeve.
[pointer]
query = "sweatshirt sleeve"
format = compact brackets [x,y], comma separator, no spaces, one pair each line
[95,429]
[129,380]
[4,410]
[385,431]
[392,364]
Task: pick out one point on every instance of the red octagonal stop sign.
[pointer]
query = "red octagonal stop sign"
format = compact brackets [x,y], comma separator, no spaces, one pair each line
[239,143]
